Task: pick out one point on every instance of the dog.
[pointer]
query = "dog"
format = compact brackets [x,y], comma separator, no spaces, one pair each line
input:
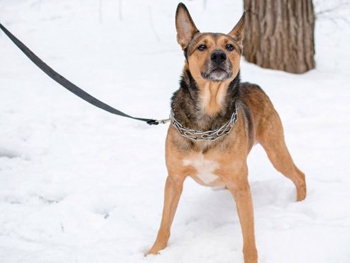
[215,121]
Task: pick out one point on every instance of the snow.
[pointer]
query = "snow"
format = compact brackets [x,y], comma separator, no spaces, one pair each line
[78,184]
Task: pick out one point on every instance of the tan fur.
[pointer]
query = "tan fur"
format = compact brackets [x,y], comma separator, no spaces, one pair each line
[223,162]
[212,95]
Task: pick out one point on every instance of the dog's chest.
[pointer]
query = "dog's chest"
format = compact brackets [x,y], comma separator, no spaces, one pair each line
[204,170]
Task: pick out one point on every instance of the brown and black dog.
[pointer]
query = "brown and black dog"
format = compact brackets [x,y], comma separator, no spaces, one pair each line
[216,120]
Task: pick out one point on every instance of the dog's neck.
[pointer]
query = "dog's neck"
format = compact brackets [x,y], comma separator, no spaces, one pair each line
[212,97]
[204,106]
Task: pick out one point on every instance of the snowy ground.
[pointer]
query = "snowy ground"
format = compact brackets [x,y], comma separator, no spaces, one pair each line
[81,185]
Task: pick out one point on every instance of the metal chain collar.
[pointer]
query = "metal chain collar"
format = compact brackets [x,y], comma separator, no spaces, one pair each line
[205,135]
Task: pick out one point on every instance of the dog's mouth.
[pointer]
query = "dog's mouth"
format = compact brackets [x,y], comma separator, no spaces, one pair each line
[217,74]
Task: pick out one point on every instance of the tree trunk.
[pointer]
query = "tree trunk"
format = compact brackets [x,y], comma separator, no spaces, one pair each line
[279,34]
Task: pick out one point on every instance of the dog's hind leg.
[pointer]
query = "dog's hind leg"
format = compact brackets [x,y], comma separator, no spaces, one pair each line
[270,136]
[173,190]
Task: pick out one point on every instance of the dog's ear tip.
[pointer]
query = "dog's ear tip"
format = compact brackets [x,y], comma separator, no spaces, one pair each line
[181,6]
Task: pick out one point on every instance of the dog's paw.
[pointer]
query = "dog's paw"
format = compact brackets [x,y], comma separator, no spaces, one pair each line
[151,253]
[301,193]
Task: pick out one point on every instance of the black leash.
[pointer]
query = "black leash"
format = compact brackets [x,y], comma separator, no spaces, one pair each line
[69,85]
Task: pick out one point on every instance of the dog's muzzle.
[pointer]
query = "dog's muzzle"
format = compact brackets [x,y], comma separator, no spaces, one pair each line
[218,67]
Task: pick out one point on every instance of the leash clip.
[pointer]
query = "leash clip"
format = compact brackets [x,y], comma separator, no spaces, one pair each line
[156,122]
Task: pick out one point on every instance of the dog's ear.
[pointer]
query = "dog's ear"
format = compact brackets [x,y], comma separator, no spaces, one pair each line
[185,26]
[238,31]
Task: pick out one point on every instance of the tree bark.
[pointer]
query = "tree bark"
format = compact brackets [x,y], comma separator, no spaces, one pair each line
[279,34]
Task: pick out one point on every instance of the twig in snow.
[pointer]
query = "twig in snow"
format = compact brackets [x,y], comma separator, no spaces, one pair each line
[100,16]
[152,26]
[120,10]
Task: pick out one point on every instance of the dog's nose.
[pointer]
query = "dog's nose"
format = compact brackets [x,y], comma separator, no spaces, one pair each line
[218,57]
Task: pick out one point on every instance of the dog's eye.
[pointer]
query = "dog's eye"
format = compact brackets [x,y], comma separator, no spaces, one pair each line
[202,47]
[229,47]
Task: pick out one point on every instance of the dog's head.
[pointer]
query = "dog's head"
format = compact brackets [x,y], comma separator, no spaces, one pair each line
[210,56]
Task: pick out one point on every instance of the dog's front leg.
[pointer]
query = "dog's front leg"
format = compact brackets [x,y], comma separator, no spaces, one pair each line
[173,190]
[237,184]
